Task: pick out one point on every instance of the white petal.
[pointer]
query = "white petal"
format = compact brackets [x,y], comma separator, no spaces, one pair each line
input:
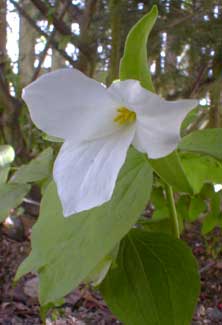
[66,103]
[86,174]
[131,94]
[158,134]
[158,121]
[155,143]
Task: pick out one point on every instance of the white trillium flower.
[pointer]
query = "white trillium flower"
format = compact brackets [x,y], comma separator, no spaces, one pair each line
[98,125]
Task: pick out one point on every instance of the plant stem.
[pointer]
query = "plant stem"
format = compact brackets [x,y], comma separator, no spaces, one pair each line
[173,211]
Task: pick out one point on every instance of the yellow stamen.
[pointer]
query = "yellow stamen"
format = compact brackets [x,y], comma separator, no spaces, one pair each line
[124,115]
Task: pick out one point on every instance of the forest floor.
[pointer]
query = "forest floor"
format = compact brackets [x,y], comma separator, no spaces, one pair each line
[19,305]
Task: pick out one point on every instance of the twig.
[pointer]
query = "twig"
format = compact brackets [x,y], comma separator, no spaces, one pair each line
[41,32]
[198,80]
[29,201]
[49,41]
[207,267]
[62,27]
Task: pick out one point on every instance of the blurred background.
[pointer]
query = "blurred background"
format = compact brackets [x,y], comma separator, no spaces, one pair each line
[37,36]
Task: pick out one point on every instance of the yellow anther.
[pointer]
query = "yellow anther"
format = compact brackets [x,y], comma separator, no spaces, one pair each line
[124,115]
[121,109]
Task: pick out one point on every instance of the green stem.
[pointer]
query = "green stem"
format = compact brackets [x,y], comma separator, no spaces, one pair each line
[173,211]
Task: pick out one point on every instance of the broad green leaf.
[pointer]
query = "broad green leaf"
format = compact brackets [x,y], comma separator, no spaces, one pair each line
[182,206]
[207,191]
[210,222]
[160,222]
[133,64]
[7,155]
[214,218]
[36,170]
[163,212]
[66,250]
[156,281]
[99,273]
[4,174]
[206,141]
[191,116]
[157,198]
[215,203]
[196,207]
[171,171]
[11,196]
[200,169]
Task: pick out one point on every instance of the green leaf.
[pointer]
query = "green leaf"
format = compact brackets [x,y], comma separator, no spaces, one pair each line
[207,191]
[66,250]
[201,169]
[100,271]
[171,171]
[214,218]
[4,174]
[36,170]
[156,281]
[215,204]
[133,64]
[157,198]
[7,155]
[11,195]
[182,206]
[163,212]
[160,222]
[206,141]
[210,222]
[190,117]
[197,206]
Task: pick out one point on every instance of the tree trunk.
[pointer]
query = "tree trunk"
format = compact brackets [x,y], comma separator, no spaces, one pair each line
[2,31]
[2,58]
[58,61]
[27,40]
[215,106]
[9,106]
[86,63]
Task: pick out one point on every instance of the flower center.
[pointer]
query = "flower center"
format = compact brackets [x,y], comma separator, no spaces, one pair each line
[124,115]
